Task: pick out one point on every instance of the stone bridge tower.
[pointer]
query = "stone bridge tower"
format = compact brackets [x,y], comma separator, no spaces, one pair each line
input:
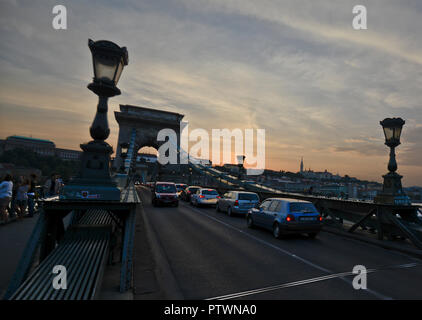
[143,124]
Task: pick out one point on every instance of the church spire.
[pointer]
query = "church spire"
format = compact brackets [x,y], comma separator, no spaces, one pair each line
[301,165]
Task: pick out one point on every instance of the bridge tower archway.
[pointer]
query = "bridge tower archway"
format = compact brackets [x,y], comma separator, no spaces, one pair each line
[139,127]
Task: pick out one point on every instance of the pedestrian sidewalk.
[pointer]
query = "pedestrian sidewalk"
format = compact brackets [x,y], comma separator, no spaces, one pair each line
[13,239]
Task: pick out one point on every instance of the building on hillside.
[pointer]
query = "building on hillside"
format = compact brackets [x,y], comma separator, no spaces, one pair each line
[67,154]
[352,190]
[40,146]
[317,175]
[333,190]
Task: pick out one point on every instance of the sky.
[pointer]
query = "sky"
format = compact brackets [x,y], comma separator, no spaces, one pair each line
[294,68]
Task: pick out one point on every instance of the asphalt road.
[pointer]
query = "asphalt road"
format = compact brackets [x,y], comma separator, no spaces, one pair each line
[212,255]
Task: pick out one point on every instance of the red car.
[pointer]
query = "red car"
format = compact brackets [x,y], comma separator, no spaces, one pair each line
[165,193]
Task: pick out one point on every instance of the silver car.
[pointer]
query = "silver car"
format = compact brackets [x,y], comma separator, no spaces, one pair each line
[204,196]
[237,202]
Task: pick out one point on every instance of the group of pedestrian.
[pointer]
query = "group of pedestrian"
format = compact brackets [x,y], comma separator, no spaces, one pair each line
[17,197]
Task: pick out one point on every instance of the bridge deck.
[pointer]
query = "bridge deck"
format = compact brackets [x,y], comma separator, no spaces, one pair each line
[213,255]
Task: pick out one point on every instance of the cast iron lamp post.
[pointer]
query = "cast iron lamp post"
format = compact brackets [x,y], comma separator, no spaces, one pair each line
[124,147]
[240,163]
[392,191]
[94,181]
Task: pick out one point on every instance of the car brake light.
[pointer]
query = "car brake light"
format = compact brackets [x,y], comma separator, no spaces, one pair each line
[290,218]
[320,218]
[218,197]
[201,196]
[236,203]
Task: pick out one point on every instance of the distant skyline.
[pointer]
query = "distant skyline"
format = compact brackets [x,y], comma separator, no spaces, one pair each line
[295,68]
[152,151]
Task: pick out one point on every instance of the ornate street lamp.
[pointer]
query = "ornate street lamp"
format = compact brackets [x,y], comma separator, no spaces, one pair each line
[94,181]
[392,191]
[124,147]
[240,163]
[108,60]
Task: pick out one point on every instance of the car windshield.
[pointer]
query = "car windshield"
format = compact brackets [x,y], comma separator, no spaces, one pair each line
[210,192]
[302,207]
[248,196]
[165,188]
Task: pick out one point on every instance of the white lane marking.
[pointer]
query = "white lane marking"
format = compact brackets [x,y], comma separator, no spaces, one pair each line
[281,286]
[309,263]
[303,282]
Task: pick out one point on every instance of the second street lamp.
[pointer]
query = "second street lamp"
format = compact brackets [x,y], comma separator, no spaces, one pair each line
[94,181]
[392,191]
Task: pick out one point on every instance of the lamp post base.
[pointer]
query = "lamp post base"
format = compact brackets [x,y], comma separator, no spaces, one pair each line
[94,182]
[93,192]
[402,200]
[392,191]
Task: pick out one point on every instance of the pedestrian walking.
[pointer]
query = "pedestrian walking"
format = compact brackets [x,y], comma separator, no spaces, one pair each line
[59,184]
[13,202]
[22,197]
[51,186]
[6,188]
[31,195]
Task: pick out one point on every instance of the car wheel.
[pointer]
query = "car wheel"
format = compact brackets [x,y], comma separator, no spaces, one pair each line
[312,235]
[229,212]
[249,222]
[217,207]
[276,231]
[176,204]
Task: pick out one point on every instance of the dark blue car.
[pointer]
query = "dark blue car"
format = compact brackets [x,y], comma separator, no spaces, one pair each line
[286,216]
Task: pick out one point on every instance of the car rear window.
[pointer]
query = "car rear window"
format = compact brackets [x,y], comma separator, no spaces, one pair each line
[180,186]
[193,190]
[302,207]
[165,188]
[210,192]
[248,196]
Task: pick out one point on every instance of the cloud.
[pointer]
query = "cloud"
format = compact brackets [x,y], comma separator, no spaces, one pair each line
[411,153]
[295,68]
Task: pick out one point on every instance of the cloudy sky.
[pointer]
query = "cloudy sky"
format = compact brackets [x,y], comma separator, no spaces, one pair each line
[295,68]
